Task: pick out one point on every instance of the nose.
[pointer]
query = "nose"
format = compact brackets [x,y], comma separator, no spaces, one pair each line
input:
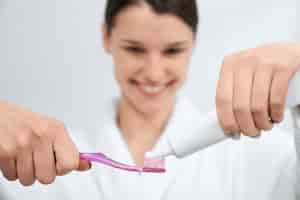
[155,69]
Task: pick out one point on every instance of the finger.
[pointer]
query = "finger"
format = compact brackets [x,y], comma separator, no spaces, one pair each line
[67,155]
[8,168]
[243,79]
[7,158]
[260,97]
[224,98]
[84,165]
[44,163]
[25,167]
[8,147]
[279,89]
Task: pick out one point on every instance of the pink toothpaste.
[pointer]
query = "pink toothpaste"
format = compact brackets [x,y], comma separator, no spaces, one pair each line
[155,165]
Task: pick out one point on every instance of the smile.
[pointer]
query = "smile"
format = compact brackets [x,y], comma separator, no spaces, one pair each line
[149,89]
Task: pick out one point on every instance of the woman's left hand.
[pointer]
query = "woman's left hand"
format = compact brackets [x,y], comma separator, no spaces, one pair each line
[253,86]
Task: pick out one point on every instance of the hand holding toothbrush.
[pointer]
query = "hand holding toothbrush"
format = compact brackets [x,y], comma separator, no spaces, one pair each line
[27,145]
[253,86]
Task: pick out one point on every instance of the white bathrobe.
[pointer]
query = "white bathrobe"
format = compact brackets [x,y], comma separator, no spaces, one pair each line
[260,169]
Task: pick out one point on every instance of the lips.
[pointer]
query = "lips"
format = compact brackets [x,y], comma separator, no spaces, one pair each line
[152,89]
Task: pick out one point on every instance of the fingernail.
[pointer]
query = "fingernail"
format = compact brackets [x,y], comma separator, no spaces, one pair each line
[278,120]
[88,166]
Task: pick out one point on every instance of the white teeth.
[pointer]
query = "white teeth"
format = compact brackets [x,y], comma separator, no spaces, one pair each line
[152,89]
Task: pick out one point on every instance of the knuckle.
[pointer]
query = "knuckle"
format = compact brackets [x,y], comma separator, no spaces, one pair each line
[250,56]
[44,128]
[42,136]
[60,126]
[53,128]
[7,152]
[228,59]
[24,141]
[40,131]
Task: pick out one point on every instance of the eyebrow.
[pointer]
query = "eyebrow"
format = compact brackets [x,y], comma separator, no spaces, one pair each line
[174,44]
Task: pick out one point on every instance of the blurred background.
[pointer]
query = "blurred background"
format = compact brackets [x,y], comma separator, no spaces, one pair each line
[52,62]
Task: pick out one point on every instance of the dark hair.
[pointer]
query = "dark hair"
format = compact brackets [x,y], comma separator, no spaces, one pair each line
[184,9]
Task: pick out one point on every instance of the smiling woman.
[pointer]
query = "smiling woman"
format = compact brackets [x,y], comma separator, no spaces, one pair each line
[150,60]
[151,43]
[151,63]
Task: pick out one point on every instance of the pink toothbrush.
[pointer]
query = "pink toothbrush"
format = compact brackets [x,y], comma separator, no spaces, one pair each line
[150,165]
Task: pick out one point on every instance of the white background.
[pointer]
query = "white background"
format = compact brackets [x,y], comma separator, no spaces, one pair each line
[51,60]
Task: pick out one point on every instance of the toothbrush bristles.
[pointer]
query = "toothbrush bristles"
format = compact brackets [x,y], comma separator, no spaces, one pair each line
[154,163]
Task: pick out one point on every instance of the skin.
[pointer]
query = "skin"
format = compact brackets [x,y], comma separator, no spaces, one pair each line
[253,86]
[246,97]
[27,144]
[146,52]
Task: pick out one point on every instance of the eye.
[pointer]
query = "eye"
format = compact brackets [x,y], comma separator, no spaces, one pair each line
[136,50]
[173,51]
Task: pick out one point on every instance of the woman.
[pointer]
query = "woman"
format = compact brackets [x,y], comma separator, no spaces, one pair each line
[151,43]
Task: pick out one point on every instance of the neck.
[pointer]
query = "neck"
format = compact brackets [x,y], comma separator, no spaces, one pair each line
[141,131]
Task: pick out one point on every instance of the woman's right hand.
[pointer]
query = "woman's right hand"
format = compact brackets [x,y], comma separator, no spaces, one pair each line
[34,147]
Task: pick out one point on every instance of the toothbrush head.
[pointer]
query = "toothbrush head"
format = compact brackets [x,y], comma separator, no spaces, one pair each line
[154,164]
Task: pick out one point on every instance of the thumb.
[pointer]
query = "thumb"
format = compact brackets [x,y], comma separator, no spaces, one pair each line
[84,165]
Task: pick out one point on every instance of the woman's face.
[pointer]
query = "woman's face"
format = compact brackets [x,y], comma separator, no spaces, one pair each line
[151,54]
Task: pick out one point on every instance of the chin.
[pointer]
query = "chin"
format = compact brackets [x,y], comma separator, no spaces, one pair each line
[152,107]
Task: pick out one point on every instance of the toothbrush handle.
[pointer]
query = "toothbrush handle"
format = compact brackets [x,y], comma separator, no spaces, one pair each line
[101,158]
